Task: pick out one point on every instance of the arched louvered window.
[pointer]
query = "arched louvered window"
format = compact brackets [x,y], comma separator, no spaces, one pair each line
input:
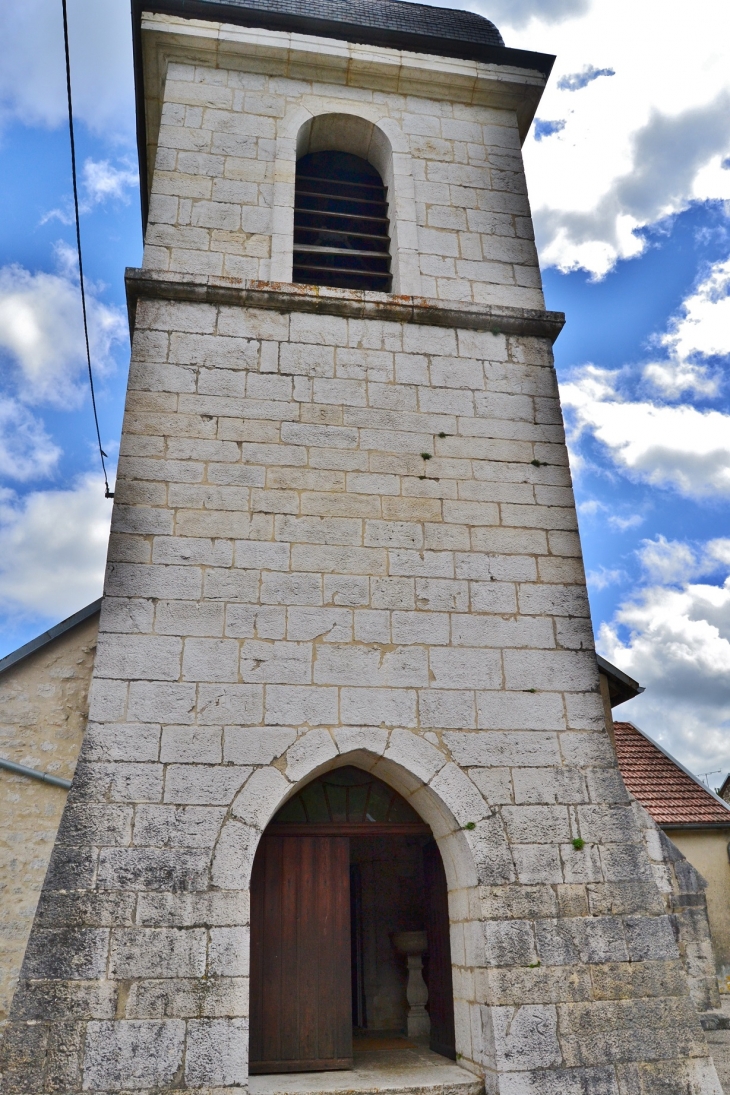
[340,223]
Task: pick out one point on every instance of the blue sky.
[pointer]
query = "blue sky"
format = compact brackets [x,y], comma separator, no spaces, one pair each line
[629,177]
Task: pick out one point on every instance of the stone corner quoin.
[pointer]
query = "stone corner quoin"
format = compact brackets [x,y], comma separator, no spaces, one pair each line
[344,534]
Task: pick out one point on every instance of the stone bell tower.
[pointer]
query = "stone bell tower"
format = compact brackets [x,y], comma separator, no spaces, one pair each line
[344,534]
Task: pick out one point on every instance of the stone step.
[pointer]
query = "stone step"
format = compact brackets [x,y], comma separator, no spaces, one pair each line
[413,1071]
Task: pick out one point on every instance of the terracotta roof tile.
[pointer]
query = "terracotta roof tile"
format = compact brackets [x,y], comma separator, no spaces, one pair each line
[670,794]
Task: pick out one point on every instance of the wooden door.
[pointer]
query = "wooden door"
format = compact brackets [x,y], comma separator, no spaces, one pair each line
[440,990]
[300,955]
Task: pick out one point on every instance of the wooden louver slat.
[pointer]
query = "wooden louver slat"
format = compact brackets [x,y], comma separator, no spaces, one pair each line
[341,227]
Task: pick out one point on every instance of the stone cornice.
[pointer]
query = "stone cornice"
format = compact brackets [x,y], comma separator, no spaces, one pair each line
[350,303]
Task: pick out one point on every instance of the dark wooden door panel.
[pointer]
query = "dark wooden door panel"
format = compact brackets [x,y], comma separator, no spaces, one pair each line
[300,955]
[440,989]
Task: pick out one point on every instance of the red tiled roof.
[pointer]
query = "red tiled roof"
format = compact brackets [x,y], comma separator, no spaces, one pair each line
[670,794]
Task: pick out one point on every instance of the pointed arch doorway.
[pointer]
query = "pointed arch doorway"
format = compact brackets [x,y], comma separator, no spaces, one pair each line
[343,866]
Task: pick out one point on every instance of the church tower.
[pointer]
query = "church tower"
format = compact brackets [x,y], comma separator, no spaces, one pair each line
[346,727]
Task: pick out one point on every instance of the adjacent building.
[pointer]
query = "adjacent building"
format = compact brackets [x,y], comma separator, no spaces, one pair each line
[695,820]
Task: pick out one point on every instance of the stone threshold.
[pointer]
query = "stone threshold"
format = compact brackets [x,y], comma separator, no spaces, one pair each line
[348,303]
[414,1071]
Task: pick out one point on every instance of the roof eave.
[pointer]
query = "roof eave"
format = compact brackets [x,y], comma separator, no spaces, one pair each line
[48,636]
[621,687]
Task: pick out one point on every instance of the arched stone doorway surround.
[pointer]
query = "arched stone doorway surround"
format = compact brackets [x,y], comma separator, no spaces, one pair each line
[470,837]
[377,139]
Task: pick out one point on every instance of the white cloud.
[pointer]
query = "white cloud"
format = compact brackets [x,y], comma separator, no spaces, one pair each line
[672,446]
[678,646]
[704,324]
[53,548]
[623,524]
[26,450]
[517,13]
[576,81]
[638,146]
[32,73]
[591,506]
[674,377]
[41,329]
[718,551]
[604,577]
[700,331]
[101,182]
[667,561]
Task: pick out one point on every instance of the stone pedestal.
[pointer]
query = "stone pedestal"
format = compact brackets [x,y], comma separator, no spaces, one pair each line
[412,945]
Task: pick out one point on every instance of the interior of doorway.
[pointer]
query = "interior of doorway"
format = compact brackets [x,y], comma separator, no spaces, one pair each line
[390,895]
[344,874]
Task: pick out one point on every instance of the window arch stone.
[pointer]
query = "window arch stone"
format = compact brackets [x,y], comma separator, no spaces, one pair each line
[382,144]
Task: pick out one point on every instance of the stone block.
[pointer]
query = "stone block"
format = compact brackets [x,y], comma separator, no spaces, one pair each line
[131,869]
[228,952]
[389,706]
[95,824]
[132,1055]
[548,785]
[494,748]
[178,826]
[226,704]
[537,863]
[117,782]
[447,709]
[261,795]
[524,1038]
[69,1001]
[650,937]
[259,745]
[139,657]
[312,749]
[205,784]
[287,705]
[233,858]
[159,701]
[66,954]
[216,1054]
[187,744]
[600,1080]
[509,943]
[157,952]
[537,824]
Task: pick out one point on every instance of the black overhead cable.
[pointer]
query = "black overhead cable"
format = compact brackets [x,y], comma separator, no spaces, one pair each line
[102,454]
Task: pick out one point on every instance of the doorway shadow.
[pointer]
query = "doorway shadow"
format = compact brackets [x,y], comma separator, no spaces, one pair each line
[344,867]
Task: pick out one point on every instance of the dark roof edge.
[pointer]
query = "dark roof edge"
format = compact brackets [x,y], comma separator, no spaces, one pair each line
[322,28]
[670,826]
[48,636]
[624,686]
[692,776]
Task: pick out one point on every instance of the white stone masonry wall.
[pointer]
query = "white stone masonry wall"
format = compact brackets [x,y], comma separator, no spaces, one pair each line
[375,516]
[339,538]
[292,585]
